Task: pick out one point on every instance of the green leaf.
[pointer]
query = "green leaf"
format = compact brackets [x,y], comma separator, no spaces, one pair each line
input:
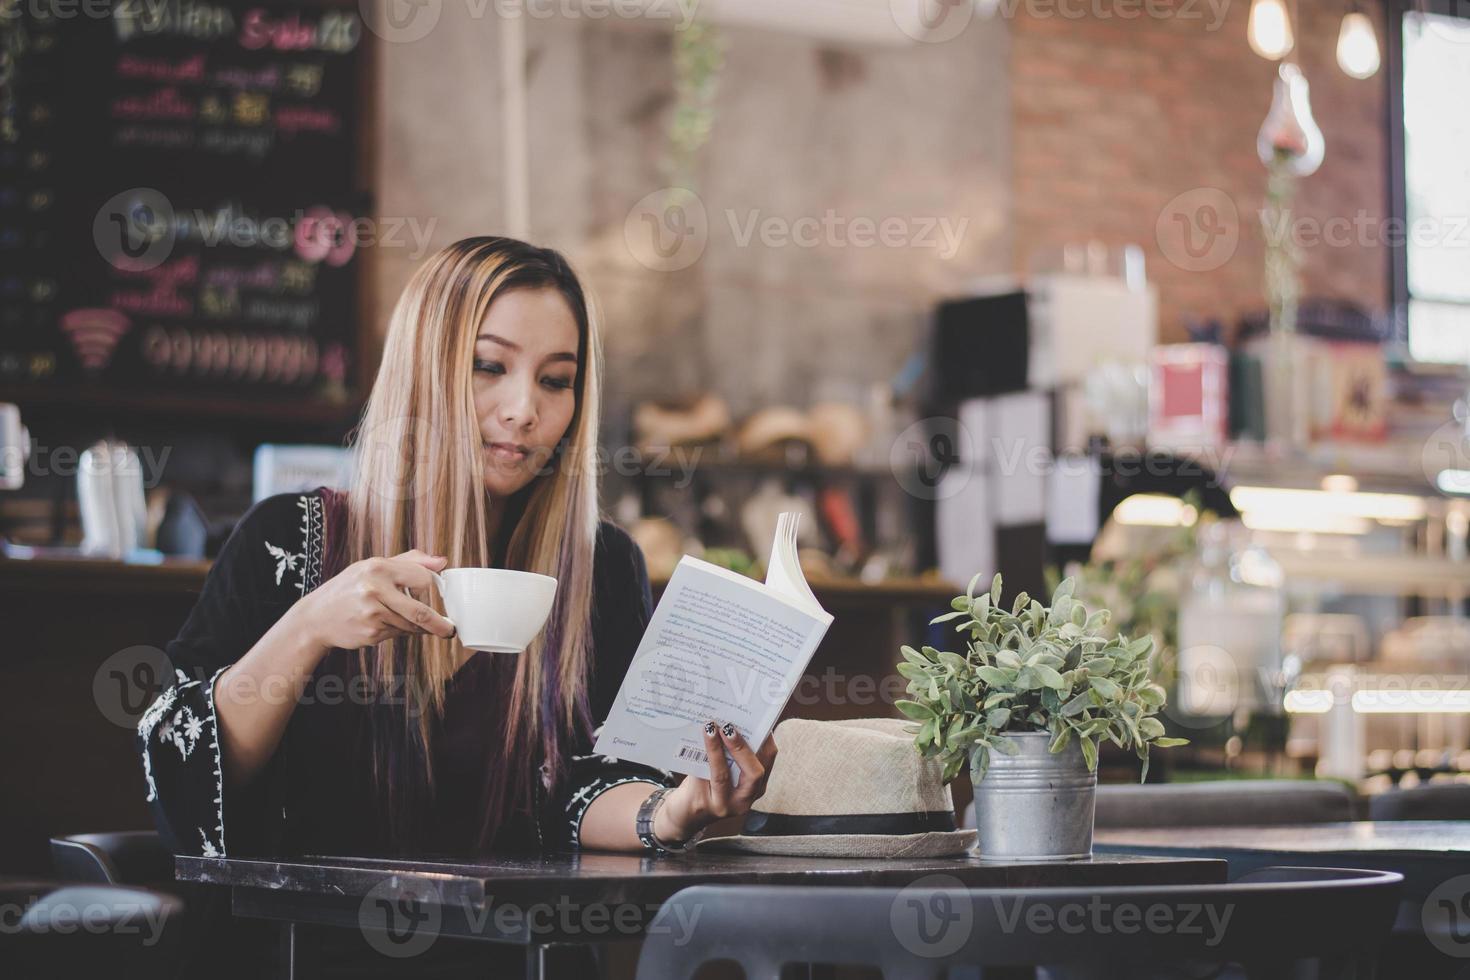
[953,660]
[952,768]
[995,590]
[1022,599]
[995,676]
[1077,705]
[1060,740]
[1151,695]
[1089,753]
[1169,743]
[913,656]
[962,603]
[1008,658]
[970,589]
[914,709]
[1065,590]
[1028,679]
[980,761]
[998,718]
[1049,676]
[1005,746]
[912,671]
[948,616]
[996,699]
[1150,727]
[1097,665]
[1141,646]
[1107,688]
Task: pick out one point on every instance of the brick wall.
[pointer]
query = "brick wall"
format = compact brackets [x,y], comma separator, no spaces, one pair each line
[1114,119]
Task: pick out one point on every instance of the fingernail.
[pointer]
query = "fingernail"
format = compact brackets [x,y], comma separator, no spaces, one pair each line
[709,728]
[729,730]
[453,632]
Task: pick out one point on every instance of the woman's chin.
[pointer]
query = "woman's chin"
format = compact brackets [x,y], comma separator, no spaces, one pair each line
[499,483]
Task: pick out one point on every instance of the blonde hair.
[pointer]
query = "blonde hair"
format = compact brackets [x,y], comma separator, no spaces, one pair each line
[419,484]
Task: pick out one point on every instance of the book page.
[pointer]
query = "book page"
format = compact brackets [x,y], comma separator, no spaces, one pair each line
[716,648]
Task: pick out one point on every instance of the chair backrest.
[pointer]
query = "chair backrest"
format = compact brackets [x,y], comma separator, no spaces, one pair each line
[1268,920]
[94,930]
[1225,802]
[1437,801]
[129,857]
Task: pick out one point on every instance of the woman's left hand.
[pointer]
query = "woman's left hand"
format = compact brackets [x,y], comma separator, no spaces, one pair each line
[697,802]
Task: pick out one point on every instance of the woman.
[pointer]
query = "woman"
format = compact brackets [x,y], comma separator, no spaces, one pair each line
[322,704]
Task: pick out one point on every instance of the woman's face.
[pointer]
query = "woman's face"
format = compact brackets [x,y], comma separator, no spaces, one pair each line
[525,376]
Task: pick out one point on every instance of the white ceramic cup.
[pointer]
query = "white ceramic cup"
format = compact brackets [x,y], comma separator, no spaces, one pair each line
[497,610]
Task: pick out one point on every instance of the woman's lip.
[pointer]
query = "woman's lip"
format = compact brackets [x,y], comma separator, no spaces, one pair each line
[505,450]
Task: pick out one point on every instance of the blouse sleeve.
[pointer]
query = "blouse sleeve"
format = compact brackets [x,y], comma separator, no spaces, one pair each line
[622,607]
[266,564]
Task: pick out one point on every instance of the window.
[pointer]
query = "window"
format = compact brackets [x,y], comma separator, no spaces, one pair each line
[1432,267]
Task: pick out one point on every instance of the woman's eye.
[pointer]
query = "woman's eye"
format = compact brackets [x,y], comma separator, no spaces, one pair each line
[492,367]
[561,384]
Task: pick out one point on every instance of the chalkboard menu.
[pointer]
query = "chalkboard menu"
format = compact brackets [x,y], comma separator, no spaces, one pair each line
[180,208]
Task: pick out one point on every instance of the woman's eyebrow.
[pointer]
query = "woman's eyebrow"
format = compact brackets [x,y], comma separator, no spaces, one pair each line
[563,355]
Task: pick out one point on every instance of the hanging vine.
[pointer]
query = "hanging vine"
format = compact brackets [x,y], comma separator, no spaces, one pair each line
[699,54]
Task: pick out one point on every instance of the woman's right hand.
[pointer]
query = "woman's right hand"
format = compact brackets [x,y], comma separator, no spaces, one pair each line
[365,604]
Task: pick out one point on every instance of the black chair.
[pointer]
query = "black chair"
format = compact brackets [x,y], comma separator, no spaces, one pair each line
[1268,923]
[1437,801]
[69,931]
[1225,802]
[129,857]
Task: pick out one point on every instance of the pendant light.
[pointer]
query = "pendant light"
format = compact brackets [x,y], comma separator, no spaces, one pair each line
[1289,129]
[1269,31]
[1357,45]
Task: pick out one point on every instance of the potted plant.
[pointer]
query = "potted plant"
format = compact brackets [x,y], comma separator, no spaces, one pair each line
[1027,704]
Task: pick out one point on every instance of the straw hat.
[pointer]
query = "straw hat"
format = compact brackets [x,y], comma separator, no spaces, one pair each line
[849,789]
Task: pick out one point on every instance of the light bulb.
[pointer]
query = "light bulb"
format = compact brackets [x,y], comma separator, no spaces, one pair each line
[1289,130]
[1269,32]
[1357,46]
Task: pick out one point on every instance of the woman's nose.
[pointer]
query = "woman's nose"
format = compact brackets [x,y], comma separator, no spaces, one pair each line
[518,408]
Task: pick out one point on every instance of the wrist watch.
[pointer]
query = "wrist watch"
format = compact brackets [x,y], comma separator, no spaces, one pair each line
[644,823]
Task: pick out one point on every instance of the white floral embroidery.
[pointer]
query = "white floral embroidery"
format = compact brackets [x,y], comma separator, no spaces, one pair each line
[208,848]
[583,799]
[285,560]
[219,779]
[183,730]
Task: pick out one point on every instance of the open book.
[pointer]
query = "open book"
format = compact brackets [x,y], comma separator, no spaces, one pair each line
[719,646]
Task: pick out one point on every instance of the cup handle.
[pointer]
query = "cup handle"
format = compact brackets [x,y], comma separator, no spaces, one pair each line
[444,595]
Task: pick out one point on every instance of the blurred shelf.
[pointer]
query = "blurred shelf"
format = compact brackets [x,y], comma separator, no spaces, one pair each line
[73,400]
[1388,467]
[1395,575]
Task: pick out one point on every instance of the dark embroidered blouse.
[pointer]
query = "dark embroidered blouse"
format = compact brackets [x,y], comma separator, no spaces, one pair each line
[316,794]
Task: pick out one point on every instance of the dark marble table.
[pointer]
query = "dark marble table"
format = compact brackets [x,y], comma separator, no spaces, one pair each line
[1432,855]
[547,902]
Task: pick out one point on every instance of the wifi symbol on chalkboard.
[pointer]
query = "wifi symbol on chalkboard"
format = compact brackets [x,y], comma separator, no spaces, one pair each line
[94,334]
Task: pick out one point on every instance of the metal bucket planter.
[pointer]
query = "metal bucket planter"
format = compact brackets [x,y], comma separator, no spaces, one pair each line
[1034,806]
